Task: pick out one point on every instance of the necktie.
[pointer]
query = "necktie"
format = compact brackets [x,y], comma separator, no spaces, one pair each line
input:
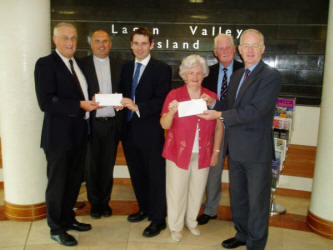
[134,85]
[247,72]
[224,87]
[75,76]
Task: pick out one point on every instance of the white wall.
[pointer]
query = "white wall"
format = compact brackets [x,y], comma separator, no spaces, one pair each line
[305,127]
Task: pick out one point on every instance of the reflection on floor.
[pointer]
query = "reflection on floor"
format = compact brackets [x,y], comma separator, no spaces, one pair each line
[116,233]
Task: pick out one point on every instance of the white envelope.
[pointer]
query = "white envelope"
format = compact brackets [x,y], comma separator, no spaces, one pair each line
[109,99]
[193,107]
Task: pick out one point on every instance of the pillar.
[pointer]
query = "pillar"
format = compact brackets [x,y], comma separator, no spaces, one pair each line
[320,214]
[25,36]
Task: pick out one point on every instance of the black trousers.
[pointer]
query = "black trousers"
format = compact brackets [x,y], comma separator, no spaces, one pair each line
[64,172]
[147,169]
[250,189]
[102,151]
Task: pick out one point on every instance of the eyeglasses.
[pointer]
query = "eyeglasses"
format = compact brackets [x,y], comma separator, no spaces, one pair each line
[253,46]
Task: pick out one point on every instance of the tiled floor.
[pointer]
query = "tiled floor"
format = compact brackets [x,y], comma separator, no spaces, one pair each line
[116,233]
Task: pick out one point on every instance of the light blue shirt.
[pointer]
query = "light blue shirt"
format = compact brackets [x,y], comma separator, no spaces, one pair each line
[221,74]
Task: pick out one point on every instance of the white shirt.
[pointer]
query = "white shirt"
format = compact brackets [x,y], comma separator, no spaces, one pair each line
[103,72]
[79,74]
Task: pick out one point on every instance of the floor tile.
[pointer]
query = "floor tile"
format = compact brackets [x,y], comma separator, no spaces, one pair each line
[151,246]
[13,233]
[40,234]
[105,231]
[137,230]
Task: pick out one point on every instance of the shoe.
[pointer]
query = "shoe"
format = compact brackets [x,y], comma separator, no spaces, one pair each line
[64,239]
[176,236]
[95,213]
[154,229]
[194,230]
[204,218]
[106,211]
[232,243]
[78,226]
[136,217]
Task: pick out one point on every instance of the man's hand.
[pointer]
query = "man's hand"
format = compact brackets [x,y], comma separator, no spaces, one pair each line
[208,99]
[128,103]
[210,115]
[89,105]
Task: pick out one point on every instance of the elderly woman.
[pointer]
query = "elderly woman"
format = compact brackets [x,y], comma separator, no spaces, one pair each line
[190,148]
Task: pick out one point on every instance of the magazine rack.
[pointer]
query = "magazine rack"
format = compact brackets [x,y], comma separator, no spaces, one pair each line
[282,126]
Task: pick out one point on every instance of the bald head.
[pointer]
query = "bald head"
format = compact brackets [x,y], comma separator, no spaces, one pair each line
[100,43]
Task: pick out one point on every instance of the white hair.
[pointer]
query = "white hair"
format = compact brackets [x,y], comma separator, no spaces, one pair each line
[192,61]
[62,24]
[222,35]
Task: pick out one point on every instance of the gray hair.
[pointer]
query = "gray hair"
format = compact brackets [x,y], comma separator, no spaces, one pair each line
[62,24]
[222,35]
[261,36]
[192,61]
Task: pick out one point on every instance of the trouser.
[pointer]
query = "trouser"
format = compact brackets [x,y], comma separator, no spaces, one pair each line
[64,172]
[101,160]
[184,189]
[250,189]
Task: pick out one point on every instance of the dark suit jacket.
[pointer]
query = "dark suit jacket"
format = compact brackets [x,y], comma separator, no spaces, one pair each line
[210,82]
[89,71]
[154,85]
[248,119]
[59,98]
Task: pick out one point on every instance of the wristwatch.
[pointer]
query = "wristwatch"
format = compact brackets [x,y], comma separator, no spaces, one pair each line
[221,118]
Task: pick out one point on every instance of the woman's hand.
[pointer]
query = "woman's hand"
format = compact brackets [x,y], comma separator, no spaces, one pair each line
[215,158]
[173,107]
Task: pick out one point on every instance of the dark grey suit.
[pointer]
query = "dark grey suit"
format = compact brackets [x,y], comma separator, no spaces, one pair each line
[213,189]
[248,139]
[105,133]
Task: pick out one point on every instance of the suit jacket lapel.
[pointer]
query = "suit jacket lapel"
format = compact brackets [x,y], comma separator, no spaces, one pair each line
[62,66]
[233,86]
[248,81]
[145,73]
[93,74]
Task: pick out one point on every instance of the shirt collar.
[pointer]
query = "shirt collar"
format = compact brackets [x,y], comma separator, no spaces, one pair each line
[100,59]
[252,67]
[231,65]
[65,59]
[144,61]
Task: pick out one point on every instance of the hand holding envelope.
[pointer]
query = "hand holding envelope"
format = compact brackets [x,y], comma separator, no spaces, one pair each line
[109,99]
[192,107]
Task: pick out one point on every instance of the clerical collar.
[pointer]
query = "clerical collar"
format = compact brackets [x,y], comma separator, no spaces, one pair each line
[101,59]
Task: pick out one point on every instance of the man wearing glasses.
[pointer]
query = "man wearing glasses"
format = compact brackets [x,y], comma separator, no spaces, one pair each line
[247,115]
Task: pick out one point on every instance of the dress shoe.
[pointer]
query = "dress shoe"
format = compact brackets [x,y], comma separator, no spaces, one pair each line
[232,243]
[95,213]
[194,230]
[204,218]
[176,236]
[64,239]
[154,229]
[78,226]
[136,217]
[106,211]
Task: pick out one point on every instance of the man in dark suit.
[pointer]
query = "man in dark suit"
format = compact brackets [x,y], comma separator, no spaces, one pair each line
[105,124]
[145,83]
[218,81]
[62,95]
[247,114]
